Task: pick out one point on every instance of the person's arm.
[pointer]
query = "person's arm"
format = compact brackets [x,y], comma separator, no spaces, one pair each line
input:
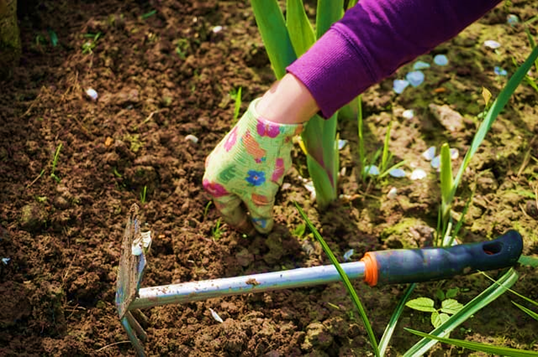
[374,39]
[288,101]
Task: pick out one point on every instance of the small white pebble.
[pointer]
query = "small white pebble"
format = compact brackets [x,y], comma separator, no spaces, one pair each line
[397,173]
[429,154]
[371,170]
[191,138]
[512,19]
[418,174]
[408,114]
[393,192]
[492,44]
[341,144]
[421,65]
[5,260]
[454,154]
[216,316]
[90,92]
[348,254]
[136,249]
[217,29]
[440,60]
[309,185]
[436,162]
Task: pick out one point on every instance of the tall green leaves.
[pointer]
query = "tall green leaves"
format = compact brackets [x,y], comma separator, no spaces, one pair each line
[284,41]
[327,13]
[299,27]
[275,36]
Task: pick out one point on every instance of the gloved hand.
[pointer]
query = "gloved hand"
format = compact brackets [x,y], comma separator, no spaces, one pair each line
[248,166]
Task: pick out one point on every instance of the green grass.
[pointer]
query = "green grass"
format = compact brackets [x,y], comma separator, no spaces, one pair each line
[236,96]
[216,231]
[55,163]
[448,193]
[91,42]
[143,194]
[445,319]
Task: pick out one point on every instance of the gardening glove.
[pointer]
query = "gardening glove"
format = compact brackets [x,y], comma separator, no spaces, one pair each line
[247,167]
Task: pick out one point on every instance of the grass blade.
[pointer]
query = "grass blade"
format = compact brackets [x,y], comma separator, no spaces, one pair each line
[476,346]
[479,302]
[274,33]
[351,4]
[352,293]
[529,312]
[362,151]
[237,104]
[494,111]
[447,194]
[319,138]
[385,157]
[299,27]
[391,326]
[512,291]
[532,43]
[327,13]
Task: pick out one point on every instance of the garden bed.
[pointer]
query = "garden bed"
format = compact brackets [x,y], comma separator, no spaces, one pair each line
[164,70]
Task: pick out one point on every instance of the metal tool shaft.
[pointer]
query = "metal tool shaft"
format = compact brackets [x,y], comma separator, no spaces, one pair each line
[257,283]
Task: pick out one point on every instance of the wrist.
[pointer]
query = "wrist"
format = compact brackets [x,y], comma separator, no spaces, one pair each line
[288,101]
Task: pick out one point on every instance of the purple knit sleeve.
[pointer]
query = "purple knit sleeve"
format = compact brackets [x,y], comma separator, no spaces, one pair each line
[374,39]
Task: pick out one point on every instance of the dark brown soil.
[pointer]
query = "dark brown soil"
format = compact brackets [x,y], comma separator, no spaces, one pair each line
[162,76]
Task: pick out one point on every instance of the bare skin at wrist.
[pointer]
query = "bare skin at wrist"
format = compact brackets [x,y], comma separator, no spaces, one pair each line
[288,101]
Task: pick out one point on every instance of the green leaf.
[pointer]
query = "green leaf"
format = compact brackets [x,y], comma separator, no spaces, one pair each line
[421,304]
[447,194]
[439,294]
[451,306]
[528,261]
[475,346]
[351,4]
[327,13]
[325,191]
[385,156]
[352,293]
[299,27]
[530,301]
[274,33]
[529,312]
[53,38]
[471,308]
[391,326]
[451,293]
[438,319]
[299,230]
[532,43]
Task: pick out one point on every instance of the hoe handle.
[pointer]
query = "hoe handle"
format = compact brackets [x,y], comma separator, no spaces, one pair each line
[419,265]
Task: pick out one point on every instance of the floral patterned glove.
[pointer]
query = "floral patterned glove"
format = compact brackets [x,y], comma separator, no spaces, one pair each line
[248,167]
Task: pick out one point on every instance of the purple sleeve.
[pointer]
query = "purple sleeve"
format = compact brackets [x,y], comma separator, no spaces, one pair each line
[374,39]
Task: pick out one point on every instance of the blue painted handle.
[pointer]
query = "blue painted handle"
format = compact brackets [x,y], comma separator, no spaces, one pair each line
[419,265]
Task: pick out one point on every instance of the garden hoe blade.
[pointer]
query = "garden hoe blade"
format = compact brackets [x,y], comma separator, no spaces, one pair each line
[132,263]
